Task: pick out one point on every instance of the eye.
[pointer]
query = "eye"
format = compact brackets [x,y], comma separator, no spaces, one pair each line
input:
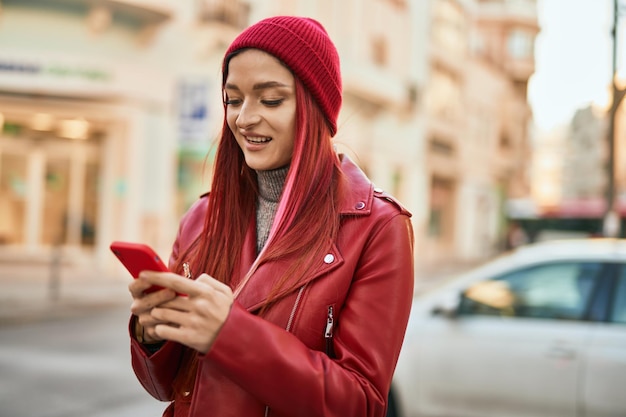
[232,101]
[273,103]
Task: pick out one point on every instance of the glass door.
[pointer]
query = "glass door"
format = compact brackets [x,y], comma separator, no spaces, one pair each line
[70,204]
[13,183]
[48,191]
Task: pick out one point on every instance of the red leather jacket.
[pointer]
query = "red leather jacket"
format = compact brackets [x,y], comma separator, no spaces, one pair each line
[326,349]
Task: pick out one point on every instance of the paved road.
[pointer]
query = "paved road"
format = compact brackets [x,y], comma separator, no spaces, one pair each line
[64,349]
[71,366]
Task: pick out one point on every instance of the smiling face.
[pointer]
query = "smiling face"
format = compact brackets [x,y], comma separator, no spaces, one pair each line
[261,108]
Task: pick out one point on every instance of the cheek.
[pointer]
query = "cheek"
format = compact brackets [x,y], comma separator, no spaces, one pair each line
[231,118]
[290,126]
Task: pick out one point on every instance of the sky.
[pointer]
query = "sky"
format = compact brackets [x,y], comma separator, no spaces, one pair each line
[573,58]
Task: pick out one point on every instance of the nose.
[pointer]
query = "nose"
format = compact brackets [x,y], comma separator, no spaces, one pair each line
[248,116]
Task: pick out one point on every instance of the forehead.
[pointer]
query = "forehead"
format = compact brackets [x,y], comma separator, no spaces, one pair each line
[254,65]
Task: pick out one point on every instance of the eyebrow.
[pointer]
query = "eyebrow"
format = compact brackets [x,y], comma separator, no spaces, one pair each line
[259,86]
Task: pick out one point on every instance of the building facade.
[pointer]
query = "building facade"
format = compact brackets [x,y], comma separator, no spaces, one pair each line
[381,124]
[109,110]
[479,119]
[585,156]
[86,145]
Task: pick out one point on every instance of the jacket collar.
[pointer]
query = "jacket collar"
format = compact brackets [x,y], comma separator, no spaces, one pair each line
[357,201]
[359,190]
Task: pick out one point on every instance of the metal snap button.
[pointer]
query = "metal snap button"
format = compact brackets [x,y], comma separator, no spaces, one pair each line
[360,205]
[329,258]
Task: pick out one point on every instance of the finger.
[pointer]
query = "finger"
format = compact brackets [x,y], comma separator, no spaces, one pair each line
[214,284]
[181,303]
[138,287]
[168,315]
[147,329]
[169,332]
[147,302]
[147,320]
[188,337]
[150,336]
[173,281]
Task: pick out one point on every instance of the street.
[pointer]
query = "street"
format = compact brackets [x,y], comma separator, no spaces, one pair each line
[76,366]
[70,357]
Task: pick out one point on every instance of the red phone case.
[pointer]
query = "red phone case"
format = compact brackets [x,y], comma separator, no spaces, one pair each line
[137,257]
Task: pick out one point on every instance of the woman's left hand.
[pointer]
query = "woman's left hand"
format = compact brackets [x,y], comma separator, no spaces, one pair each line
[193,319]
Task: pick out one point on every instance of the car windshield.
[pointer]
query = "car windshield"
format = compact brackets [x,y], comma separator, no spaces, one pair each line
[554,291]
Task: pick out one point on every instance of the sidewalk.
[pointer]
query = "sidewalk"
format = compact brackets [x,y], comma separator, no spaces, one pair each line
[31,292]
[428,278]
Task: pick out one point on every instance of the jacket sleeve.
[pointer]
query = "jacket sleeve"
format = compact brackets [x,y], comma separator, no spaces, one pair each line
[295,380]
[156,371]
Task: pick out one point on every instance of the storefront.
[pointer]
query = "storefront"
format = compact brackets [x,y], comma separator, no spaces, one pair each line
[87,156]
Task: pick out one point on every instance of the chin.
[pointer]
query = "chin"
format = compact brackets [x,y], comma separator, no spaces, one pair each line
[259,165]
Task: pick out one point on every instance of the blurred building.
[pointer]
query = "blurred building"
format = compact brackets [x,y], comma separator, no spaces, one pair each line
[109,110]
[436,110]
[585,155]
[547,170]
[86,146]
[620,149]
[383,45]
[569,168]
[477,140]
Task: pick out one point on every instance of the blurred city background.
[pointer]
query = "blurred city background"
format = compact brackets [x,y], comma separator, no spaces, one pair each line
[496,122]
[480,115]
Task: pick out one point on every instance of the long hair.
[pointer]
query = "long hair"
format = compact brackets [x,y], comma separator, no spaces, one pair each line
[306,221]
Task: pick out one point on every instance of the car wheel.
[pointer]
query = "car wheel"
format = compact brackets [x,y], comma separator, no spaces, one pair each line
[392,411]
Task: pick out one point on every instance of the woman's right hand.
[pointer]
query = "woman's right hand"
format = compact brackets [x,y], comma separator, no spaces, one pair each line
[142,306]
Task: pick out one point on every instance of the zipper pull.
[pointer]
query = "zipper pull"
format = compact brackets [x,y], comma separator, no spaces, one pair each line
[330,322]
[186,270]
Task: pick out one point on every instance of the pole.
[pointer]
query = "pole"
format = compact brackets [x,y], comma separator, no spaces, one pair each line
[611,223]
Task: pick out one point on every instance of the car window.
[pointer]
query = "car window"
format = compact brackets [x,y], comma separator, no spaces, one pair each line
[549,291]
[618,313]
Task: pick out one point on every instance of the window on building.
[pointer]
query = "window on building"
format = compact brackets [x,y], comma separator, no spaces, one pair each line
[435,222]
[444,94]
[441,146]
[505,142]
[520,44]
[401,4]
[232,12]
[450,28]
[441,216]
[380,51]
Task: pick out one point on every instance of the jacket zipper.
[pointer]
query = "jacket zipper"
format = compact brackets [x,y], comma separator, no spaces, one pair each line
[328,334]
[288,328]
[295,307]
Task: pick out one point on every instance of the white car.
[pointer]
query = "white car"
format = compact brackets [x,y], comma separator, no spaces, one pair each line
[538,332]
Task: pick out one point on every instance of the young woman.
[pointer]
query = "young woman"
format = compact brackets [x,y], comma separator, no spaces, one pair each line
[303,270]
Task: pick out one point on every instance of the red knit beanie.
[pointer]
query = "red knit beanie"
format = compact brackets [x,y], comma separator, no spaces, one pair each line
[304,46]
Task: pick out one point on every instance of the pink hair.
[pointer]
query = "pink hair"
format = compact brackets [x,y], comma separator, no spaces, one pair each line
[307,218]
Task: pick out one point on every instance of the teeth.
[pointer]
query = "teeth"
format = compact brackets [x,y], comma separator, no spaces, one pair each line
[258,140]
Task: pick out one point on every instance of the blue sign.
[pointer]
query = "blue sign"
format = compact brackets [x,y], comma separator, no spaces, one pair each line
[193,113]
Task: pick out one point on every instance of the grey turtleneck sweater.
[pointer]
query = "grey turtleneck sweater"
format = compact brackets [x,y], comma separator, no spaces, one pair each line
[270,188]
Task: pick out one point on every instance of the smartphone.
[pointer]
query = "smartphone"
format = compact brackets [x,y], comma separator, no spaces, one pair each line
[137,257]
